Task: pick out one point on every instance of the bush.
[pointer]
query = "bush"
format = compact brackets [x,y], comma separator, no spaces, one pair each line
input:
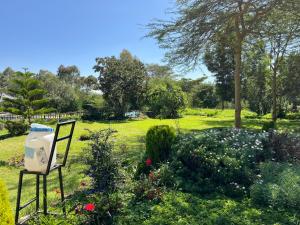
[293,116]
[159,140]
[269,125]
[6,216]
[103,168]
[283,146]
[178,208]
[166,101]
[278,187]
[222,160]
[85,137]
[16,128]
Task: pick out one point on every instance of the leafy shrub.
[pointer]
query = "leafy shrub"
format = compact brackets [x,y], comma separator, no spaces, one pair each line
[222,160]
[16,128]
[103,168]
[158,142]
[283,146]
[293,116]
[85,137]
[6,217]
[269,125]
[278,187]
[201,112]
[178,208]
[167,100]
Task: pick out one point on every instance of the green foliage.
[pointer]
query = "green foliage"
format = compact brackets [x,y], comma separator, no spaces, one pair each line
[16,128]
[123,82]
[284,146]
[103,168]
[166,100]
[178,208]
[256,71]
[269,125]
[158,143]
[293,116]
[63,97]
[95,109]
[6,216]
[204,96]
[27,96]
[223,160]
[219,59]
[278,186]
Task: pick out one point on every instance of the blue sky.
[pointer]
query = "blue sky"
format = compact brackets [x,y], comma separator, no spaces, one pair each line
[43,34]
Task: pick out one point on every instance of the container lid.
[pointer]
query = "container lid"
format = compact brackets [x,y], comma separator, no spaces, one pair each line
[35,127]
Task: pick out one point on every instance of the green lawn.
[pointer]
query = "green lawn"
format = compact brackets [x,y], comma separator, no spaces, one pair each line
[129,141]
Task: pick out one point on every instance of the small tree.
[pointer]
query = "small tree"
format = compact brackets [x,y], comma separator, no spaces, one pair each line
[123,82]
[27,97]
[166,100]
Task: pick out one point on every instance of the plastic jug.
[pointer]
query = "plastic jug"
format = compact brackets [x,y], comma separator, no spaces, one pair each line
[38,147]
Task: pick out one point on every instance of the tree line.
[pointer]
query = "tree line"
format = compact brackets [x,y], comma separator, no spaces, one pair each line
[126,84]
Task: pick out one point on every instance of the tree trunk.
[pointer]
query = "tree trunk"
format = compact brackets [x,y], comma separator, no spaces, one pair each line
[223,105]
[237,84]
[274,95]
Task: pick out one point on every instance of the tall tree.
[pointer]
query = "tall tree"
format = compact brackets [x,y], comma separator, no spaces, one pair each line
[159,71]
[256,75]
[199,22]
[122,81]
[292,79]
[63,97]
[69,73]
[219,59]
[282,32]
[27,96]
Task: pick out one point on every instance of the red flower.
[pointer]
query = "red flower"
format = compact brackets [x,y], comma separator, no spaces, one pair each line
[148,162]
[89,207]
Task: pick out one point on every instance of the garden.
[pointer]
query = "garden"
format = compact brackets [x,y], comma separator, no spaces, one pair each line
[140,141]
[171,171]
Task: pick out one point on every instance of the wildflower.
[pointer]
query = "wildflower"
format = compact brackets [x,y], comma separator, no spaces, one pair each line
[89,207]
[148,162]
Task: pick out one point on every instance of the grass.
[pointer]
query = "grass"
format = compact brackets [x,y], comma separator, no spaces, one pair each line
[129,142]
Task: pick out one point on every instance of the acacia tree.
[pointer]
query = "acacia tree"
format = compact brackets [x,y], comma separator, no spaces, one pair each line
[199,22]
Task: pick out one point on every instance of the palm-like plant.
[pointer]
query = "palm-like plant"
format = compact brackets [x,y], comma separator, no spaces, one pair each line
[27,97]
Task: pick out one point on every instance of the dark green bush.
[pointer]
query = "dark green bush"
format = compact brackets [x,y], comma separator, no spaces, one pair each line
[166,100]
[6,216]
[16,128]
[85,137]
[222,160]
[278,186]
[269,125]
[159,140]
[283,146]
[102,167]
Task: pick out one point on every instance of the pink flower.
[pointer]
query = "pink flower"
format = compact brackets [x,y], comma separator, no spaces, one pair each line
[89,207]
[148,162]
